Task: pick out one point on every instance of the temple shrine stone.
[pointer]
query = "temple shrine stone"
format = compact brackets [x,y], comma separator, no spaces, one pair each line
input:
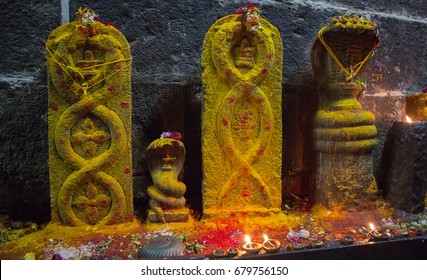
[344,133]
[241,123]
[165,160]
[89,113]
[402,176]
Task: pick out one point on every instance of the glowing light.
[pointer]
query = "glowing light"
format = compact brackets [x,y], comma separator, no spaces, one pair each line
[408,119]
[247,239]
[371,225]
[265,238]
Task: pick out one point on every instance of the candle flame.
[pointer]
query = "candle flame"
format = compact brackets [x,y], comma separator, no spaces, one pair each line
[408,119]
[247,239]
[371,225]
[265,238]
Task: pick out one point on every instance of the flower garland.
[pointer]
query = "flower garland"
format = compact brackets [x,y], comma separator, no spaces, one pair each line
[251,15]
[85,18]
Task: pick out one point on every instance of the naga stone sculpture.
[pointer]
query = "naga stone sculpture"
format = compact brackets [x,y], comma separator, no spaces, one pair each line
[241,123]
[89,112]
[165,159]
[344,133]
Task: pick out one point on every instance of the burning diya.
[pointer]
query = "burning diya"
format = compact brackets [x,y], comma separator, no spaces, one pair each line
[378,236]
[271,245]
[250,247]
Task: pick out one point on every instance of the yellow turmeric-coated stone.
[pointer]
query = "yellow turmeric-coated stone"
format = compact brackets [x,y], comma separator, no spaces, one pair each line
[165,160]
[241,126]
[90,160]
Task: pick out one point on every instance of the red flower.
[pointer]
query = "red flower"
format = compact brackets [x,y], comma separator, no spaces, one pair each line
[171,134]
[246,193]
[224,122]
[231,99]
[239,11]
[53,106]
[236,237]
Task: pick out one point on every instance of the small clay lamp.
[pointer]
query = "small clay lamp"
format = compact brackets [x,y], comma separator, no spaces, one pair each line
[219,253]
[347,240]
[271,245]
[376,235]
[232,252]
[396,233]
[250,247]
[412,232]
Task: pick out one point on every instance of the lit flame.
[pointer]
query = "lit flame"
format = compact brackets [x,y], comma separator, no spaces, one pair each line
[247,239]
[408,119]
[371,225]
[265,238]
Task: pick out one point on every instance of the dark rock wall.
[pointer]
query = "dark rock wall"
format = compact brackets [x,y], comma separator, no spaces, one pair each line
[166,39]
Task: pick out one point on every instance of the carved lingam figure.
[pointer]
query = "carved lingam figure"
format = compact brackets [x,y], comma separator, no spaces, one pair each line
[241,129]
[344,134]
[165,158]
[90,160]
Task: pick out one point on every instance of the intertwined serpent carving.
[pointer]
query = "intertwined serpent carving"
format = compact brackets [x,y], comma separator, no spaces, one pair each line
[89,88]
[243,86]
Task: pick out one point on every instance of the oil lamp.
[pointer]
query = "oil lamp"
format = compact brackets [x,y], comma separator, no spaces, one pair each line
[271,245]
[347,240]
[251,247]
[412,232]
[396,233]
[232,252]
[376,235]
[219,253]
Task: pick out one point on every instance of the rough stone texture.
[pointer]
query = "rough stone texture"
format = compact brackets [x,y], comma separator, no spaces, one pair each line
[387,108]
[166,41]
[345,181]
[24,188]
[402,176]
[344,133]
[241,123]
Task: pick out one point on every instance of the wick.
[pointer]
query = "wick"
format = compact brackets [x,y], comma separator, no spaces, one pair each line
[268,242]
